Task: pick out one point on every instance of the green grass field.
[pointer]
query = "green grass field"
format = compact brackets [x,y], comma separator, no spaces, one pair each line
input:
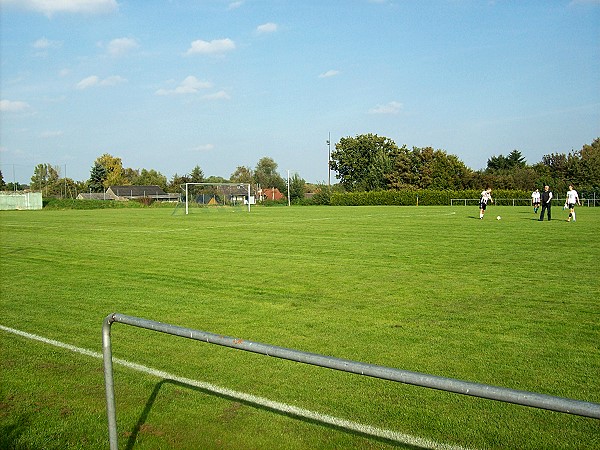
[513,303]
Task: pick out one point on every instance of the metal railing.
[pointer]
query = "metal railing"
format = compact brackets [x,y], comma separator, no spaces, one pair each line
[542,401]
[556,201]
[497,201]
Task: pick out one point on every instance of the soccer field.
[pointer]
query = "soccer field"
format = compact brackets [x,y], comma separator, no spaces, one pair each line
[511,302]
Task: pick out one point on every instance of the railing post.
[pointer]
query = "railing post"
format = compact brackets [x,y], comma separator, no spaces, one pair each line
[109,382]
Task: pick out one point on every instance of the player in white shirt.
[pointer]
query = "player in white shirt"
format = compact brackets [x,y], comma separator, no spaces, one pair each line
[571,201]
[535,200]
[486,196]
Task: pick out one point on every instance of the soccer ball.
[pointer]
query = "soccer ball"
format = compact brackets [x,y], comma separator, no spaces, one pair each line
[498,218]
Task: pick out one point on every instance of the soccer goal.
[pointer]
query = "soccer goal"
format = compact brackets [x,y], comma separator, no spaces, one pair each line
[217,194]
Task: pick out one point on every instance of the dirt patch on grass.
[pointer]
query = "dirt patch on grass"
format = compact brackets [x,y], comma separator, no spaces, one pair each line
[231,412]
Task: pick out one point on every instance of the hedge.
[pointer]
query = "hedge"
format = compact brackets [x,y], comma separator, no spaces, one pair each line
[425,197]
[69,203]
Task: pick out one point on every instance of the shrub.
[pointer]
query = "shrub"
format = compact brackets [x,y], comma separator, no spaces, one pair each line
[144,201]
[68,203]
[281,202]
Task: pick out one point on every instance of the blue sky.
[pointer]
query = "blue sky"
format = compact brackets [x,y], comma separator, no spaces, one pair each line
[171,84]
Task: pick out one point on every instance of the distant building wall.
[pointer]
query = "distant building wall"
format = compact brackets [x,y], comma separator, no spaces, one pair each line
[20,200]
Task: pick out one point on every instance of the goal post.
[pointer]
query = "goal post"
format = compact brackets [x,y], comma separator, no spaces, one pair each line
[231,190]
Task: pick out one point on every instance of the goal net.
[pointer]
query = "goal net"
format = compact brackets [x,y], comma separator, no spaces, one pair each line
[204,195]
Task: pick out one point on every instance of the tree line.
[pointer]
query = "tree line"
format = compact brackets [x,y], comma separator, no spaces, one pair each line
[370,162]
[108,170]
[363,163]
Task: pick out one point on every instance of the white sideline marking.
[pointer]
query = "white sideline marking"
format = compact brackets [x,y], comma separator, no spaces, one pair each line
[283,407]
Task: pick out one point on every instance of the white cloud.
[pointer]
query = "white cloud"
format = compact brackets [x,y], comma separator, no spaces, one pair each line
[191,85]
[88,82]
[389,108]
[51,134]
[112,81]
[13,106]
[329,73]
[211,47]
[51,7]
[120,46]
[235,5]
[269,27]
[221,95]
[44,44]
[204,148]
[94,80]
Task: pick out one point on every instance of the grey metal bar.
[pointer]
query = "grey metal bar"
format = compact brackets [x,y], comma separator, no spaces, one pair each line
[524,398]
[111,410]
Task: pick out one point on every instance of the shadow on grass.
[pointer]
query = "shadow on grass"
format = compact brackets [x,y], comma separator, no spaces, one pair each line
[10,434]
[150,403]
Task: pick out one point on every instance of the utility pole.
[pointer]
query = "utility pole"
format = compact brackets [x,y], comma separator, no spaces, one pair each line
[328,159]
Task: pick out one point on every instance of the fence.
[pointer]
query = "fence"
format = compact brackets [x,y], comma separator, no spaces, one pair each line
[590,202]
[542,401]
[497,201]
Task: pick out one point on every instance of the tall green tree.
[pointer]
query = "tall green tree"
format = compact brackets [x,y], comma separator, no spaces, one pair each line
[590,166]
[2,183]
[449,172]
[496,163]
[501,163]
[151,178]
[215,179]
[114,170]
[97,177]
[297,187]
[426,168]
[516,160]
[130,176]
[558,170]
[70,188]
[196,175]
[362,163]
[177,183]
[580,168]
[266,175]
[46,178]
[242,174]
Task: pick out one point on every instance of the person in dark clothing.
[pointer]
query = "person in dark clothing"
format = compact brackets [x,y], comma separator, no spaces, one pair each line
[546,203]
